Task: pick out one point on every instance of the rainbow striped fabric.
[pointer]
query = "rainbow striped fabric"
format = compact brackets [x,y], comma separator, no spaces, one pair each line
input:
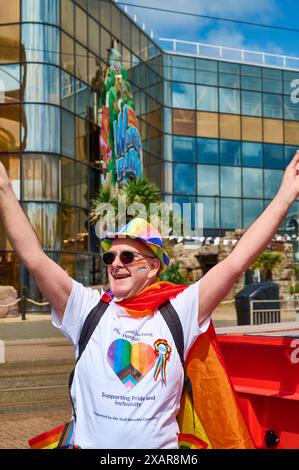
[62,436]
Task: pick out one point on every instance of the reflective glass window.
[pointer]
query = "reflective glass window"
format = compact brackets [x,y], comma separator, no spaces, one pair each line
[231,213]
[42,84]
[184,122]
[184,178]
[82,185]
[289,152]
[135,35]
[272,105]
[229,101]
[82,99]
[44,11]
[186,212]
[81,25]
[251,83]
[251,103]
[229,80]
[273,156]
[272,80]
[143,47]
[126,32]
[272,182]
[115,21]
[94,138]
[230,152]
[10,11]
[68,133]
[12,165]
[67,91]
[252,154]
[288,81]
[252,128]
[81,139]
[42,131]
[9,44]
[105,44]
[208,151]
[252,208]
[9,128]
[252,182]
[184,149]
[183,69]
[68,181]
[40,175]
[183,95]
[273,131]
[41,43]
[206,78]
[230,126]
[291,132]
[210,211]
[208,180]
[105,13]
[67,16]
[291,109]
[207,124]
[81,62]
[94,36]
[95,78]
[230,181]
[67,53]
[46,222]
[10,84]
[206,98]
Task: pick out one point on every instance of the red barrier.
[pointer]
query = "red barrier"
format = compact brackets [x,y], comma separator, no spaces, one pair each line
[264,369]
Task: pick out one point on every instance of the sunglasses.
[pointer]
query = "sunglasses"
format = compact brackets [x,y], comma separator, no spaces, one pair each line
[126,257]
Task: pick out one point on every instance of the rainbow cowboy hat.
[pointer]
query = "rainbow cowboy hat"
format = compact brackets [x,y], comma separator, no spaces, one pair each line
[141,230]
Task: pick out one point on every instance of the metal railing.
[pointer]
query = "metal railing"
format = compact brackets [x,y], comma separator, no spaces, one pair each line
[244,56]
[284,311]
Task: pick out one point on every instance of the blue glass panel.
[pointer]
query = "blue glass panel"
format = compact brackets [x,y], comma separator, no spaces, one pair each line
[272,105]
[251,83]
[183,69]
[68,133]
[252,182]
[184,149]
[67,91]
[44,11]
[184,212]
[229,80]
[207,98]
[82,99]
[272,85]
[184,178]
[291,109]
[272,182]
[42,132]
[42,84]
[208,180]
[252,208]
[251,103]
[183,96]
[230,152]
[210,211]
[229,101]
[273,156]
[41,43]
[231,216]
[230,181]
[289,152]
[206,78]
[208,151]
[206,64]
[252,154]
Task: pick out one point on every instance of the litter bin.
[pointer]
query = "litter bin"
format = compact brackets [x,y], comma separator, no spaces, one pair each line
[262,312]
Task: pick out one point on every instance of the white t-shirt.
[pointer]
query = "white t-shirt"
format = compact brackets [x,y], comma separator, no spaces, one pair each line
[118,402]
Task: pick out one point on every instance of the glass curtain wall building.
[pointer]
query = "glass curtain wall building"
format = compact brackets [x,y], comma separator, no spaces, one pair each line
[52,57]
[230,130]
[213,131]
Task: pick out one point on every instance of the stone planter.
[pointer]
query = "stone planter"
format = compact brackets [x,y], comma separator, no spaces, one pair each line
[8,294]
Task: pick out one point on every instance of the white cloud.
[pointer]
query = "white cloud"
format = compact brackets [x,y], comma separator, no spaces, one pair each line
[175,25]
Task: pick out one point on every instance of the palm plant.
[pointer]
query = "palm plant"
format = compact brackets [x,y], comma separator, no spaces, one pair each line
[267,262]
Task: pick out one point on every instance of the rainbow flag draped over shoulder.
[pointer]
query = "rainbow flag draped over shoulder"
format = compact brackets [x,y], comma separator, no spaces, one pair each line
[214,421]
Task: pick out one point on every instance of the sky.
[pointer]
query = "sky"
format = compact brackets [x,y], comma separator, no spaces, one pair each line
[283,13]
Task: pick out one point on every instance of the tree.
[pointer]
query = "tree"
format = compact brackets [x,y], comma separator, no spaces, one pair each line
[267,262]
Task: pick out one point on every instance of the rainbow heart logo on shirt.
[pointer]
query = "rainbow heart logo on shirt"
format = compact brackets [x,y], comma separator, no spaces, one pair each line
[130,362]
